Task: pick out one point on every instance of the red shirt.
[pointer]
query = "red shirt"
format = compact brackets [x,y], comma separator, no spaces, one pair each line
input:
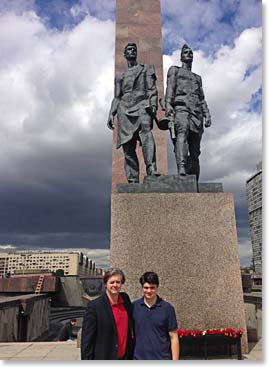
[121,320]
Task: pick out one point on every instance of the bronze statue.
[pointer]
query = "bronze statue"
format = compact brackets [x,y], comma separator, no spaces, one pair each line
[135,103]
[188,113]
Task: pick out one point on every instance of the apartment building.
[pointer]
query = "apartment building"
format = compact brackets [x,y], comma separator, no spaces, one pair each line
[254,198]
[72,263]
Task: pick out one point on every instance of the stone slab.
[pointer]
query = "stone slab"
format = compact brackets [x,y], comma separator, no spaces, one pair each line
[173,183]
[39,351]
[210,187]
[169,184]
[190,240]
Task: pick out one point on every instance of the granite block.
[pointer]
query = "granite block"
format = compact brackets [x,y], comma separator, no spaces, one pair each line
[146,17]
[210,187]
[190,240]
[121,15]
[122,32]
[150,44]
[171,183]
[122,4]
[148,5]
[143,31]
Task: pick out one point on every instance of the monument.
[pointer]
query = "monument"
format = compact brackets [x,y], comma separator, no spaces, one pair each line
[182,229]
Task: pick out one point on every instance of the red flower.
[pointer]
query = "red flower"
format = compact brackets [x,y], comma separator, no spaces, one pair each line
[227,332]
[182,332]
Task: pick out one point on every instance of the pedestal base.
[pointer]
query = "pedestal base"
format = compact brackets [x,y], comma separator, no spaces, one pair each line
[168,184]
[190,241]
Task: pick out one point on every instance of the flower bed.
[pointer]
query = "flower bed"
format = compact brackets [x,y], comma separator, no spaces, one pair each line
[226,332]
[211,342]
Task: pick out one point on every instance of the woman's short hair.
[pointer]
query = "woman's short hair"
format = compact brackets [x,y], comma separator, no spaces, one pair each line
[114,271]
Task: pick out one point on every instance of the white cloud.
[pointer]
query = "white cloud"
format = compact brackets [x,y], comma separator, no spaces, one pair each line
[56,88]
[102,9]
[207,24]
[99,256]
[16,6]
[7,247]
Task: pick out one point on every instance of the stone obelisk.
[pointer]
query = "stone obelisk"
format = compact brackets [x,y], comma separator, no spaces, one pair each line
[139,22]
[165,225]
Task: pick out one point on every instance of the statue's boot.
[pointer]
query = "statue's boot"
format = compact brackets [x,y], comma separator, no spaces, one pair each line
[152,170]
[181,170]
[181,152]
[133,180]
[182,164]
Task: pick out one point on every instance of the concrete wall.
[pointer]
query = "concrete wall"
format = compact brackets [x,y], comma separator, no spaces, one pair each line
[38,311]
[253,319]
[70,294]
[8,320]
[27,284]
[35,310]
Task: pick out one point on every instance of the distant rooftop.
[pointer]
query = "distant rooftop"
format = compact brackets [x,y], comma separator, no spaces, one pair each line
[259,170]
[41,252]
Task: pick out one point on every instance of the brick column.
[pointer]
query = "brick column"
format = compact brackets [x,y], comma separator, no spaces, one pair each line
[140,22]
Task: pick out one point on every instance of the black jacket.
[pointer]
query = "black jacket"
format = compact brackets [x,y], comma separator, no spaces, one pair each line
[99,333]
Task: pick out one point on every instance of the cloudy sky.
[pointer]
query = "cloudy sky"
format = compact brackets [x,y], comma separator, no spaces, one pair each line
[56,84]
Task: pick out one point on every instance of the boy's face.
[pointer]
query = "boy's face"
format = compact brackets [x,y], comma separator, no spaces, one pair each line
[150,291]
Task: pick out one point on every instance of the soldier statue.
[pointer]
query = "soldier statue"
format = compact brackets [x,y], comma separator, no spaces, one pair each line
[135,103]
[185,104]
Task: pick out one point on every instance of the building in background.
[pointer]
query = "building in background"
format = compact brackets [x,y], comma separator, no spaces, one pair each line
[254,198]
[71,263]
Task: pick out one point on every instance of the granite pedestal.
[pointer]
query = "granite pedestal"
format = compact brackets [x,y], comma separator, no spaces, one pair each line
[190,240]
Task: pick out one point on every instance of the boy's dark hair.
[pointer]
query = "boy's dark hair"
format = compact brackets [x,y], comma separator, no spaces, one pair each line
[149,277]
[114,271]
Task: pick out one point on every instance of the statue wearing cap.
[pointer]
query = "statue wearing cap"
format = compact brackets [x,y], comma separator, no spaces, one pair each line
[135,103]
[187,112]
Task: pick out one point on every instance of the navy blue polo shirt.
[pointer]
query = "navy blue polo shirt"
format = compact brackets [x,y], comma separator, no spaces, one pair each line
[152,326]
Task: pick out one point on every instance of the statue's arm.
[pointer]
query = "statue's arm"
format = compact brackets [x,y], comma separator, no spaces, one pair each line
[152,88]
[170,90]
[115,103]
[206,112]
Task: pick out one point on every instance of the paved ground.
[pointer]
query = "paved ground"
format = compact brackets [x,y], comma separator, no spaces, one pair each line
[255,353]
[68,351]
[37,351]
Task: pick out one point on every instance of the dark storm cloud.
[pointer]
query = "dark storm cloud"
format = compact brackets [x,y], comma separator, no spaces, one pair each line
[65,197]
